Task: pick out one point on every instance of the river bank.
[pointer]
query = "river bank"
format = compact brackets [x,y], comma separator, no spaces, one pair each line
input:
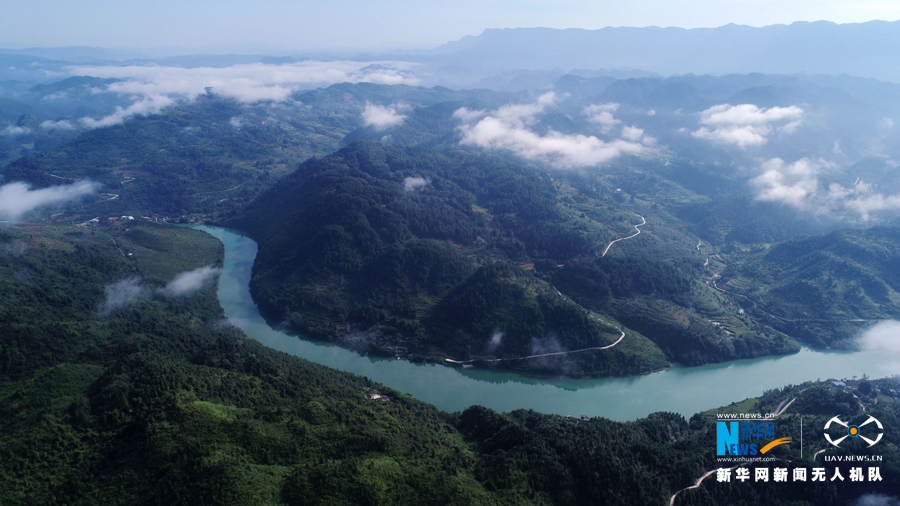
[684,390]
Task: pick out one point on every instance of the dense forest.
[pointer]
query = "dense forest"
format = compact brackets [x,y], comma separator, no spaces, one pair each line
[850,275]
[120,386]
[203,157]
[440,252]
[160,401]
[345,265]
[455,211]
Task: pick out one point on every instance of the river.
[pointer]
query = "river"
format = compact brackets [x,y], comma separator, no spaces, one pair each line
[684,390]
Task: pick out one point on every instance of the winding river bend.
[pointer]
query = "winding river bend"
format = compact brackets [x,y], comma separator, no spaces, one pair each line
[684,390]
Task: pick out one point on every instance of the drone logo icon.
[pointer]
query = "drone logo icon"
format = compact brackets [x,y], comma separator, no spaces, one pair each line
[853,431]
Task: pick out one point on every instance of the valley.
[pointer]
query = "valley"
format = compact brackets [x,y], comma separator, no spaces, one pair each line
[284,280]
[161,400]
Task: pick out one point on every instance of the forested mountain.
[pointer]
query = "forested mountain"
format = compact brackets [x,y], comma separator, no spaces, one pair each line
[720,134]
[482,198]
[819,47]
[203,157]
[159,401]
[819,288]
[456,254]
[551,212]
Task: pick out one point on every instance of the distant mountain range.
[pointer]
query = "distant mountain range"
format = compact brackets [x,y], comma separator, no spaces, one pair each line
[513,59]
[862,49]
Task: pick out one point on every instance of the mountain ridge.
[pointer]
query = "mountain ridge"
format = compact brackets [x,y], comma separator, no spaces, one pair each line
[670,50]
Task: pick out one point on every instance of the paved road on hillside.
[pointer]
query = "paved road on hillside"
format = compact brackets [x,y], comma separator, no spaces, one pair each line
[643,222]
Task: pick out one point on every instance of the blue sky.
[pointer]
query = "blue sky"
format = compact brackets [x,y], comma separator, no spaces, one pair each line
[283,25]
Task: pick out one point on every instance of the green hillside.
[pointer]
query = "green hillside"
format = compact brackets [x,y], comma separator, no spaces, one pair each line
[187,159]
[160,402]
[205,157]
[341,258]
[483,246]
[819,288]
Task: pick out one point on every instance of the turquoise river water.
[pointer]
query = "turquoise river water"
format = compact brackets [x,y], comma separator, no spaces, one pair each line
[684,390]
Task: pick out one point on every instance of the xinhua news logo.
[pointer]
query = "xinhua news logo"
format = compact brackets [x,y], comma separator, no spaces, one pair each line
[746,438]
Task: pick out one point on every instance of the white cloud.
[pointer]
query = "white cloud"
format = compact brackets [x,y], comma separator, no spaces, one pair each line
[14,131]
[746,124]
[798,185]
[122,293]
[877,500]
[866,205]
[632,133]
[524,114]
[381,117]
[507,129]
[235,122]
[790,184]
[412,184]
[741,136]
[635,134]
[189,282]
[151,104]
[57,125]
[790,127]
[160,87]
[883,336]
[603,114]
[748,114]
[246,83]
[466,115]
[496,340]
[16,199]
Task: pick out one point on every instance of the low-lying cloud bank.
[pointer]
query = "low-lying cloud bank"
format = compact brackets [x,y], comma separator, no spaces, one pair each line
[380,117]
[146,106]
[877,500]
[411,184]
[57,125]
[798,185]
[15,131]
[603,115]
[508,128]
[159,87]
[746,124]
[123,293]
[189,282]
[495,341]
[883,336]
[17,198]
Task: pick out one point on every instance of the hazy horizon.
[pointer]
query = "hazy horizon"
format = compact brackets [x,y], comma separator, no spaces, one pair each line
[280,27]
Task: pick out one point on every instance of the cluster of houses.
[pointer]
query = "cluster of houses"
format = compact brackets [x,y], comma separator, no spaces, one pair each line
[868,396]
